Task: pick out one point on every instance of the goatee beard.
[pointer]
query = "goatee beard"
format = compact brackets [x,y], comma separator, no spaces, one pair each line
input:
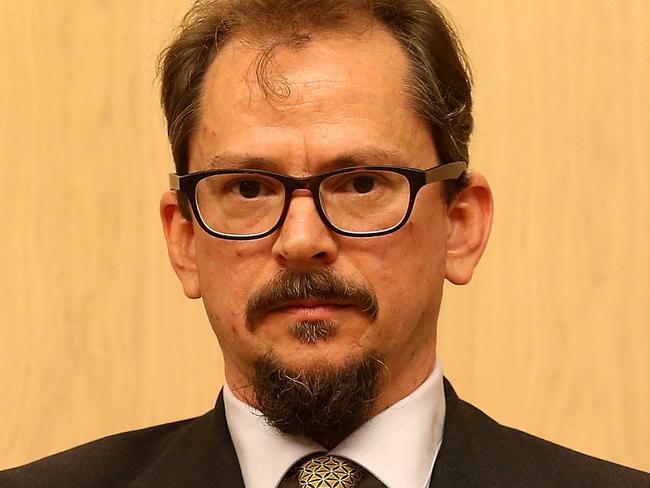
[325,403]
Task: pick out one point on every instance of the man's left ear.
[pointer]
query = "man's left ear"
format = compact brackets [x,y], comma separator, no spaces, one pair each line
[469,219]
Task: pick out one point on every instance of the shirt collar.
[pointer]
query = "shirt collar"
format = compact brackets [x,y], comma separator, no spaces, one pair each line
[264,453]
[398,446]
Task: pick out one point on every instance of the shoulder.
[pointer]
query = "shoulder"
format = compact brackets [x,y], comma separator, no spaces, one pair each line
[104,462]
[484,453]
[188,453]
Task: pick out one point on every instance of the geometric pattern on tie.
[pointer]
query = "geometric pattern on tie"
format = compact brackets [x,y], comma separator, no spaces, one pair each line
[328,472]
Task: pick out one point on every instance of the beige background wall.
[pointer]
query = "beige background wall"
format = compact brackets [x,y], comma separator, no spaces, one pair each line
[552,336]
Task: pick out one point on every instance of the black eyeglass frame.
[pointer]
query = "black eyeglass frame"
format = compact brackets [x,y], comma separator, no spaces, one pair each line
[417,178]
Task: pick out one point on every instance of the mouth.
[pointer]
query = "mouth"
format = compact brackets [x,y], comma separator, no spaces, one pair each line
[310,309]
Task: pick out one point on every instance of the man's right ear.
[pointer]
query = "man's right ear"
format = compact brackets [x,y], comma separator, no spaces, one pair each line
[179,234]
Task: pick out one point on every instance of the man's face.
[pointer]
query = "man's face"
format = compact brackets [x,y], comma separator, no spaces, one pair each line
[346,99]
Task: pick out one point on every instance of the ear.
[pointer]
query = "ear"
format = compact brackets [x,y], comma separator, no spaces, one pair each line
[469,219]
[179,234]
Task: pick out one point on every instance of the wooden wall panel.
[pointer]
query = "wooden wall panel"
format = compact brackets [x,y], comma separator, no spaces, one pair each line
[552,336]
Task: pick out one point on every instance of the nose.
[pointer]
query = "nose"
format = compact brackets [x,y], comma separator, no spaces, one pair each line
[304,241]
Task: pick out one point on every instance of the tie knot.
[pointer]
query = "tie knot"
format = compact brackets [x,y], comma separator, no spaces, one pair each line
[328,472]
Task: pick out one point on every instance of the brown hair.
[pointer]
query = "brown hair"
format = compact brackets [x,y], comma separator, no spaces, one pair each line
[439,84]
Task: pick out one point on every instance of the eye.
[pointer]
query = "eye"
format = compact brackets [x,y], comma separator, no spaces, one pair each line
[249,188]
[252,187]
[363,184]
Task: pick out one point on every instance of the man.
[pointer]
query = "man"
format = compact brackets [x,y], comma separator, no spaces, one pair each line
[320,200]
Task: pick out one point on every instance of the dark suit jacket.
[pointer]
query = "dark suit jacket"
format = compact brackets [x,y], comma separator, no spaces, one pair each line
[198,453]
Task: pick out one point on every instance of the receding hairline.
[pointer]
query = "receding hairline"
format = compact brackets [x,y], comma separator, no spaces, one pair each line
[266,44]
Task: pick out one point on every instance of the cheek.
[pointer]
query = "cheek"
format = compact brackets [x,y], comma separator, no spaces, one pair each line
[406,271]
[228,274]
[415,254]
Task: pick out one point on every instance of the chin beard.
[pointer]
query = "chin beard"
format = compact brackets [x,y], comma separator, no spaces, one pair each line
[325,403]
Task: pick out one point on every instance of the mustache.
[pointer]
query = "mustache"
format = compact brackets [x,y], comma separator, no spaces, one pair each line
[320,283]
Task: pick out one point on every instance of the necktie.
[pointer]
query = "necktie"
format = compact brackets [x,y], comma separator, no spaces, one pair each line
[328,472]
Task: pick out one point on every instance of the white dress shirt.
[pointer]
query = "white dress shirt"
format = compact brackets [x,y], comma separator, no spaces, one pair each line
[399,446]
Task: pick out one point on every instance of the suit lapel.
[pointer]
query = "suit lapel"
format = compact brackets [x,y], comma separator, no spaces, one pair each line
[199,454]
[446,476]
[454,460]
[224,470]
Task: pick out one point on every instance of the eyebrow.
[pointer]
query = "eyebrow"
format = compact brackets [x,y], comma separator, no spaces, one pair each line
[229,160]
[366,156]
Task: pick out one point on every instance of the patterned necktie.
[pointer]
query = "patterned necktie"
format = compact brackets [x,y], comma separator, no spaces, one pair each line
[328,472]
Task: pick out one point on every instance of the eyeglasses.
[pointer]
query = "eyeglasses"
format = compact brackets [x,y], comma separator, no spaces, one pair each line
[360,201]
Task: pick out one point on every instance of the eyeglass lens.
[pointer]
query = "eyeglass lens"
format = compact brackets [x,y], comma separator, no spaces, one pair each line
[356,201]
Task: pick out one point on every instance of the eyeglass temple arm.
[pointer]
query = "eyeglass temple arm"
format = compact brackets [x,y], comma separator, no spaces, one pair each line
[449,171]
[174,182]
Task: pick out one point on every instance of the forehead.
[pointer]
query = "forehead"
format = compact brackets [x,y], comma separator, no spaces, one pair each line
[335,93]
